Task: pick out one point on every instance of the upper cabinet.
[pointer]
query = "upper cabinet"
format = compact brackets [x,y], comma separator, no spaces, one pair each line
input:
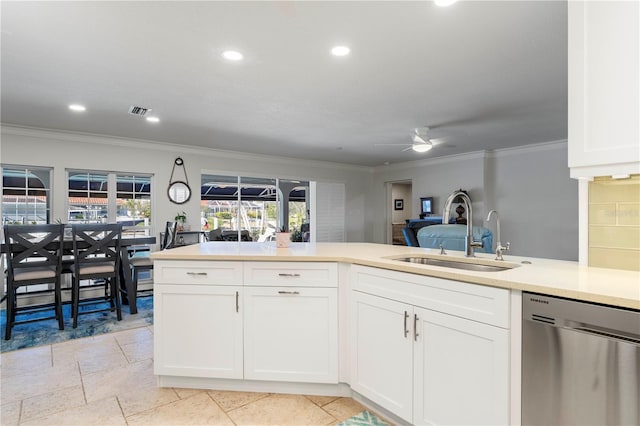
[604,88]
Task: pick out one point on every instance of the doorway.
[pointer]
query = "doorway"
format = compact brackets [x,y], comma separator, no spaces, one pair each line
[399,209]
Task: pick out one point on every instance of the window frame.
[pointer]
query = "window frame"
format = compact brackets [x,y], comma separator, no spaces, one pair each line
[112,196]
[47,188]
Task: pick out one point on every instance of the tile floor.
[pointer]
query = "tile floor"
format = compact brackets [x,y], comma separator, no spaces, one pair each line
[108,380]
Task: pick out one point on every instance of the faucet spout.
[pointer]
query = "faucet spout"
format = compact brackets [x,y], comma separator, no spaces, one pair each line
[499,247]
[468,240]
[497,224]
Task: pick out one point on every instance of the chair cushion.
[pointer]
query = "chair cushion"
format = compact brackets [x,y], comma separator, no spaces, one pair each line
[41,272]
[95,268]
[141,261]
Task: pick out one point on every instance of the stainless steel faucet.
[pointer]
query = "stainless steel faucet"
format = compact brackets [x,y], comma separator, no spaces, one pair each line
[499,247]
[468,239]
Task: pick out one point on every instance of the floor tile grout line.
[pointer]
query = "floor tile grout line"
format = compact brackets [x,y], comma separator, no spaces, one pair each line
[84,393]
[220,407]
[243,405]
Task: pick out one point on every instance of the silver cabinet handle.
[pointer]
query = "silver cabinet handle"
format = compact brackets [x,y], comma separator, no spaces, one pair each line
[200,274]
[237,302]
[406,330]
[415,327]
[288,275]
[288,292]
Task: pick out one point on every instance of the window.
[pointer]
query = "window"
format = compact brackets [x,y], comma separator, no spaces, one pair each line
[26,195]
[251,209]
[111,197]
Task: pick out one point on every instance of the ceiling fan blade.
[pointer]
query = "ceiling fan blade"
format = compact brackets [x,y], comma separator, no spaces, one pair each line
[392,144]
[409,148]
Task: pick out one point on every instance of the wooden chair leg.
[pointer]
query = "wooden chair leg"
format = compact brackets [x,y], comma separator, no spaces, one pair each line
[10,311]
[76,296]
[115,293]
[58,302]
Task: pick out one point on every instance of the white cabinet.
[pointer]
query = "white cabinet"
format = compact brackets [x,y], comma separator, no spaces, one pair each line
[424,365]
[197,319]
[291,321]
[604,87]
[291,334]
[382,352]
[197,331]
[210,323]
[461,371]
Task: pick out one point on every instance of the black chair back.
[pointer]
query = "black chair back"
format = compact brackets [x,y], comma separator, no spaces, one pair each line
[96,252]
[33,246]
[34,256]
[215,235]
[96,244]
[170,232]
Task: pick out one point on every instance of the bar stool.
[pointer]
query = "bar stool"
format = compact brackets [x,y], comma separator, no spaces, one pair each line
[144,263]
[33,257]
[96,251]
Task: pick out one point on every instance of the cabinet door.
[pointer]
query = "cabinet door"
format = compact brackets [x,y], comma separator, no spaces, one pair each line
[461,371]
[604,86]
[198,331]
[382,352]
[291,334]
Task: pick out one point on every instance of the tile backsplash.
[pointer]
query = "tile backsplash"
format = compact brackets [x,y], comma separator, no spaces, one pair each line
[614,223]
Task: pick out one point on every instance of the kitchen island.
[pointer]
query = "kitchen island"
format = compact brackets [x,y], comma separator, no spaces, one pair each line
[415,341]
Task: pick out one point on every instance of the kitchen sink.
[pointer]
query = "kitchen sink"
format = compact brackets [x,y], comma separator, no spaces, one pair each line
[448,263]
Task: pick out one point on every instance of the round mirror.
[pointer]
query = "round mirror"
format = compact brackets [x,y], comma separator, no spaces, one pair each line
[179,192]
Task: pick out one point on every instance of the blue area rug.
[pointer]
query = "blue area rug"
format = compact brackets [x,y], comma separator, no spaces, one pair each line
[46,332]
[366,418]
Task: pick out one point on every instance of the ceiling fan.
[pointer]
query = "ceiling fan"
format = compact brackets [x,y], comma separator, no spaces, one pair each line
[420,142]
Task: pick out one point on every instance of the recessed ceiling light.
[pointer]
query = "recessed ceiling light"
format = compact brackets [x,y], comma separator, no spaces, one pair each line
[153,119]
[232,55]
[340,51]
[444,3]
[77,107]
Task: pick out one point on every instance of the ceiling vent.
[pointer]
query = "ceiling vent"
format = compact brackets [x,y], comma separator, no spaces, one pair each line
[138,111]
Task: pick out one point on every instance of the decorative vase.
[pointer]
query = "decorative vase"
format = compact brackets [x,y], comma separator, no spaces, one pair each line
[283,239]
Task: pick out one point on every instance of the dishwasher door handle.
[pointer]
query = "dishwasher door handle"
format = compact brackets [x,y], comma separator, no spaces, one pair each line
[607,334]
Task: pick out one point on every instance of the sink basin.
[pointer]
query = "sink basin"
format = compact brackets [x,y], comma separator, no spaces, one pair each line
[469,266]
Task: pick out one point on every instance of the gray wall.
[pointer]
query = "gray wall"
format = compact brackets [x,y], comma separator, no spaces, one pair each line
[537,201]
[530,188]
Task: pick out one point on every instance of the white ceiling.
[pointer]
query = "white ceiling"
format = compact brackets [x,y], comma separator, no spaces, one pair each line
[481,74]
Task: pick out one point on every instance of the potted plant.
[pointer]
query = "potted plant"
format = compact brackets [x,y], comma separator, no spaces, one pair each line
[283,237]
[181,218]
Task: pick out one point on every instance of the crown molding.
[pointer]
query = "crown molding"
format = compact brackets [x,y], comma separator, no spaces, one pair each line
[430,161]
[69,136]
[531,148]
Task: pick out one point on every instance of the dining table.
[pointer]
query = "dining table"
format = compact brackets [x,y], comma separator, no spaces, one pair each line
[127,243]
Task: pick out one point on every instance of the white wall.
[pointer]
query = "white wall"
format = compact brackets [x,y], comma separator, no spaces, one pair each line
[62,150]
[530,188]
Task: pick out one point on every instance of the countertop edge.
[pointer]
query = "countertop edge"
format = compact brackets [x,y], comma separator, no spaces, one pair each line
[534,281]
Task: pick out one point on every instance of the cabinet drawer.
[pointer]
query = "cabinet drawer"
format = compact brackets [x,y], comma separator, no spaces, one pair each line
[291,274]
[485,304]
[197,272]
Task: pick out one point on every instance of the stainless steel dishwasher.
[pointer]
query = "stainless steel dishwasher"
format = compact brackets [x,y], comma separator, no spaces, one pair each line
[580,363]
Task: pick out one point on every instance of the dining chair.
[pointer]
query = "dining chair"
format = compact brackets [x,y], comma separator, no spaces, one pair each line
[96,252]
[145,263]
[33,257]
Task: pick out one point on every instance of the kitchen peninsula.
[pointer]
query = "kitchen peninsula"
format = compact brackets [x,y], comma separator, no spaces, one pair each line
[323,318]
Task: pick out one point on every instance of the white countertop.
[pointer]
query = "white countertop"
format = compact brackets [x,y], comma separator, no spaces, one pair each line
[553,277]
